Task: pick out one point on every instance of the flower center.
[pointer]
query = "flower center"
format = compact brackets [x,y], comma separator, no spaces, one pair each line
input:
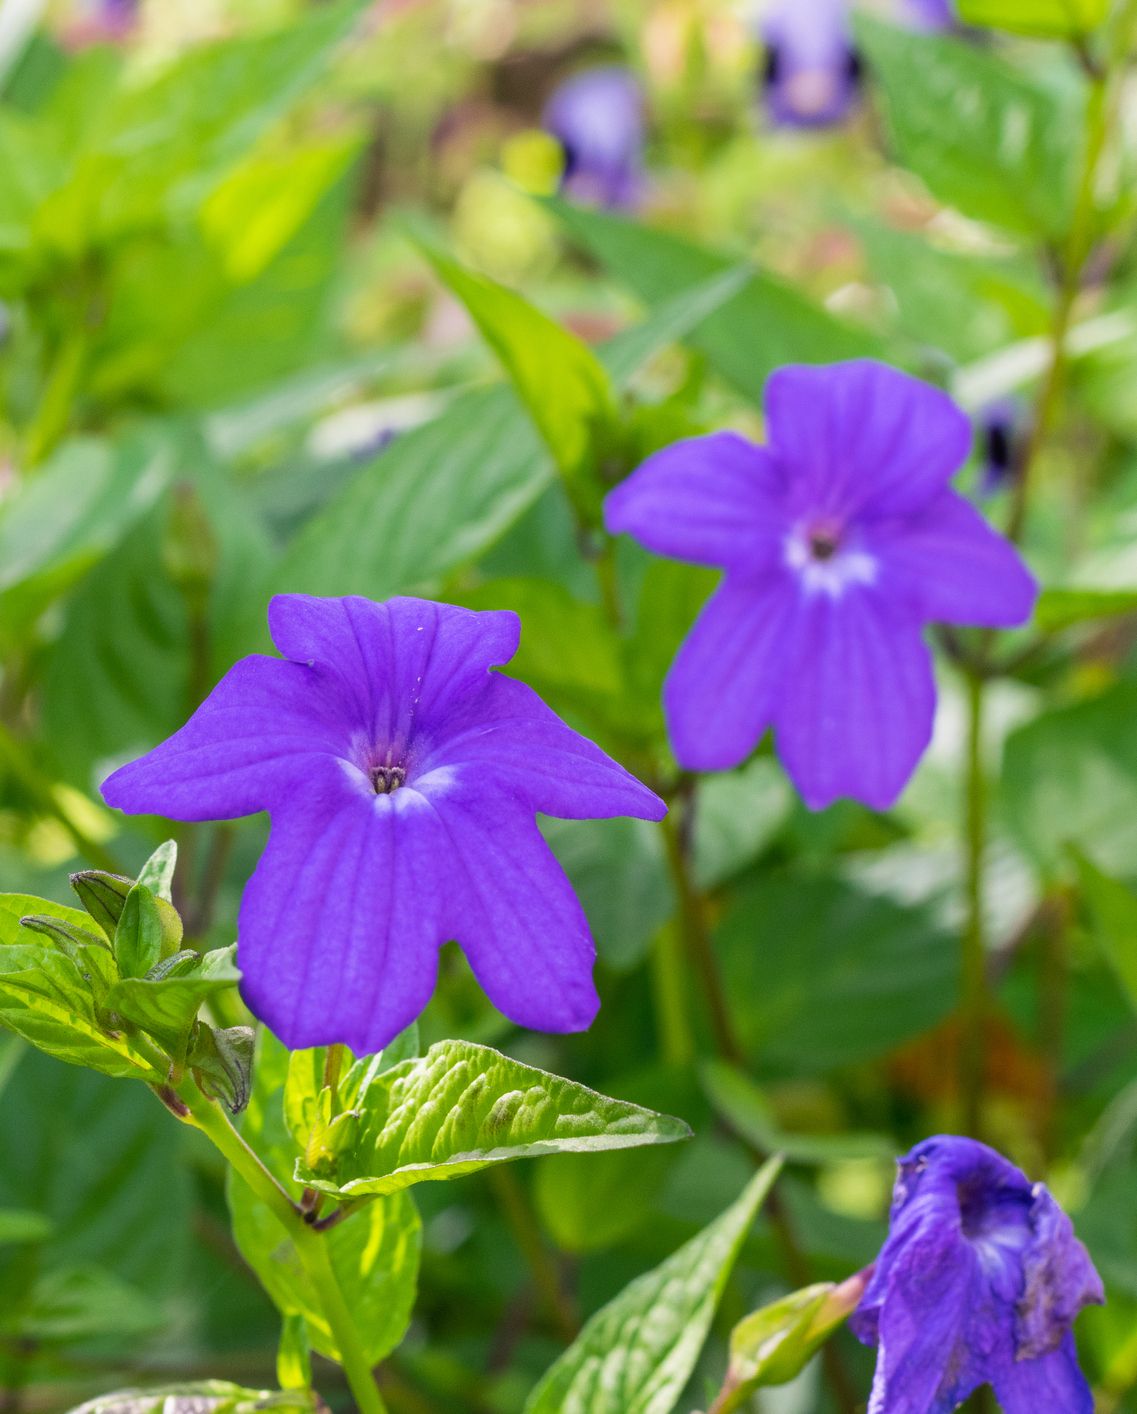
[823,544]
[387,779]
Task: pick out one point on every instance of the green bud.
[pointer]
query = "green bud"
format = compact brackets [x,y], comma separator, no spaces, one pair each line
[104,897]
[221,1060]
[138,937]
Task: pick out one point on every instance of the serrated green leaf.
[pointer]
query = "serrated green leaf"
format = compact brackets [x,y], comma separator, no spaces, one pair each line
[538,355]
[463,1107]
[374,1252]
[766,324]
[158,871]
[165,1008]
[46,999]
[1009,153]
[636,1355]
[1052,19]
[1064,608]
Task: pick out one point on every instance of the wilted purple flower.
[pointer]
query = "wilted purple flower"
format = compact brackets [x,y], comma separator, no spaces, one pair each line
[812,71]
[597,117]
[840,539]
[402,777]
[999,430]
[979,1283]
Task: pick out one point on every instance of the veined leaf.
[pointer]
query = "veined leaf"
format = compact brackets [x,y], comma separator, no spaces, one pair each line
[201,1397]
[636,1355]
[1054,19]
[165,1007]
[463,1107]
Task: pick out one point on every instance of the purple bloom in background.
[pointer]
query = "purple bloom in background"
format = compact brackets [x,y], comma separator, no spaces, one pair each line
[841,538]
[597,116]
[979,1283]
[813,71]
[402,777]
[1000,432]
[105,21]
[931,14]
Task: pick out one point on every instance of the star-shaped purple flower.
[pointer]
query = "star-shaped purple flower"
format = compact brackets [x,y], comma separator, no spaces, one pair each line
[841,538]
[597,116]
[979,1283]
[812,69]
[402,778]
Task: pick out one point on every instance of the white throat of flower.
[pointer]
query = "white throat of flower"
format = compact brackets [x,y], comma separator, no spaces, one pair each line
[824,564]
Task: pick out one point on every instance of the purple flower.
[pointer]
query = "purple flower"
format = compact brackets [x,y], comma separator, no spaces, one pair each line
[402,777]
[812,72]
[931,14]
[597,117]
[840,539]
[979,1283]
[1000,433]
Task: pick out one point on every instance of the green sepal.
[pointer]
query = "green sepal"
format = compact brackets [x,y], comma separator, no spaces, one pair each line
[221,1060]
[165,1006]
[104,897]
[139,935]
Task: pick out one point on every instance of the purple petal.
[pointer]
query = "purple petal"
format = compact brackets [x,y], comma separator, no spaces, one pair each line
[953,566]
[863,437]
[1059,1278]
[401,664]
[723,687]
[340,924]
[1052,1381]
[857,710]
[522,747]
[516,917]
[712,500]
[256,732]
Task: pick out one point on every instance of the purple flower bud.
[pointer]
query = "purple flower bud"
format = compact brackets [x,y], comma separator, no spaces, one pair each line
[931,14]
[597,117]
[978,1283]
[812,72]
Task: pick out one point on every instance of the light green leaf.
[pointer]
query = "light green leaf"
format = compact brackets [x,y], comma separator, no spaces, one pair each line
[47,1000]
[81,1303]
[1064,608]
[201,1397]
[774,1344]
[139,936]
[23,1225]
[1050,18]
[737,814]
[1009,151]
[539,356]
[158,871]
[165,1006]
[636,1355]
[766,324]
[374,1252]
[1112,910]
[743,1106]
[464,1107]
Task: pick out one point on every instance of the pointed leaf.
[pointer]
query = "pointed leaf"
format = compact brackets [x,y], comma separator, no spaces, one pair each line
[463,1107]
[636,1355]
[138,937]
[158,871]
[104,897]
[166,1007]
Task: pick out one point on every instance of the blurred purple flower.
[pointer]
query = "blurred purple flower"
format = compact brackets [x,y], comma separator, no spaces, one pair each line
[840,539]
[1000,431]
[597,117]
[812,72]
[402,778]
[931,14]
[105,21]
[978,1283]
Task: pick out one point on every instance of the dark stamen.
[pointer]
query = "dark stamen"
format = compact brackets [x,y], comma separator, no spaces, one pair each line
[386,779]
[823,544]
[772,65]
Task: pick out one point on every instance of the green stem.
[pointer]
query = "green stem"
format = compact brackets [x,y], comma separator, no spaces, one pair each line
[670,989]
[527,1235]
[973,981]
[311,1247]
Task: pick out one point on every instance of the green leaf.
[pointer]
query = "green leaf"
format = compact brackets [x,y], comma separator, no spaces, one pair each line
[139,936]
[165,1006]
[81,1303]
[1112,910]
[375,1251]
[221,1059]
[737,815]
[743,1106]
[539,356]
[47,1000]
[1070,776]
[636,1355]
[104,897]
[774,1344]
[1009,153]
[463,1107]
[1049,18]
[23,1225]
[158,871]
[1064,608]
[201,1397]
[766,324]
